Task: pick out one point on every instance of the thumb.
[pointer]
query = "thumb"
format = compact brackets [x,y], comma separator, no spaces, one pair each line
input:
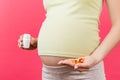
[76,66]
[60,62]
[67,62]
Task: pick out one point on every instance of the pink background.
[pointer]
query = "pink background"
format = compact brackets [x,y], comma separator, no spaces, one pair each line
[26,16]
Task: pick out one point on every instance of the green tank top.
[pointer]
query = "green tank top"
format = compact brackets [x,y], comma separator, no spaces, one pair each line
[70,28]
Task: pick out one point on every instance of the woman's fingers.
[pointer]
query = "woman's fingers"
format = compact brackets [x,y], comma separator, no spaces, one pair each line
[66,62]
[20,41]
[82,69]
[20,44]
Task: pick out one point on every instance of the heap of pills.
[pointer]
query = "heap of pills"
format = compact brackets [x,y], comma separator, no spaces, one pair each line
[80,60]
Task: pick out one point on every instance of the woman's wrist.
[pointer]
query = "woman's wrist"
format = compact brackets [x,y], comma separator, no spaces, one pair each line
[97,56]
[34,42]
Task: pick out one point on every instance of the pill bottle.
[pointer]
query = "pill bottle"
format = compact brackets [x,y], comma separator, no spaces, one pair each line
[26,40]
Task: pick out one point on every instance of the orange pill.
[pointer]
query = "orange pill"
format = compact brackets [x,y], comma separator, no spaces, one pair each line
[81,60]
[75,61]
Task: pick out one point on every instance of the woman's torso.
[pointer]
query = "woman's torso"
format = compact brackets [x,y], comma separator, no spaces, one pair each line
[69,30]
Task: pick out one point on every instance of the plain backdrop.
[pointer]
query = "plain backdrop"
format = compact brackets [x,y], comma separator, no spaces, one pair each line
[26,16]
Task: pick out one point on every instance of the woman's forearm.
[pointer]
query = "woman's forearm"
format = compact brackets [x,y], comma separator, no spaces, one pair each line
[108,43]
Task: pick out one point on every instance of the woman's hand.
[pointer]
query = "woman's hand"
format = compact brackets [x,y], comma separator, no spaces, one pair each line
[33,43]
[89,62]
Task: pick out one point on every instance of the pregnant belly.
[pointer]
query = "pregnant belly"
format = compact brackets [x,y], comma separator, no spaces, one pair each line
[52,60]
[67,39]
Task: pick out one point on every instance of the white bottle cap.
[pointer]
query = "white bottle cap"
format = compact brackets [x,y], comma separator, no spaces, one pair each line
[26,35]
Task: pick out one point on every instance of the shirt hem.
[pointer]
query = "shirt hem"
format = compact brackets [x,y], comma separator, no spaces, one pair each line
[61,54]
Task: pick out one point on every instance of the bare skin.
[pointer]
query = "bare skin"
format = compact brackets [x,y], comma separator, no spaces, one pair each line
[111,40]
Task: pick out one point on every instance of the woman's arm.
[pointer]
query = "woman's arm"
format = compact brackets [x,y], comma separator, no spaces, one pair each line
[113,36]
[110,41]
